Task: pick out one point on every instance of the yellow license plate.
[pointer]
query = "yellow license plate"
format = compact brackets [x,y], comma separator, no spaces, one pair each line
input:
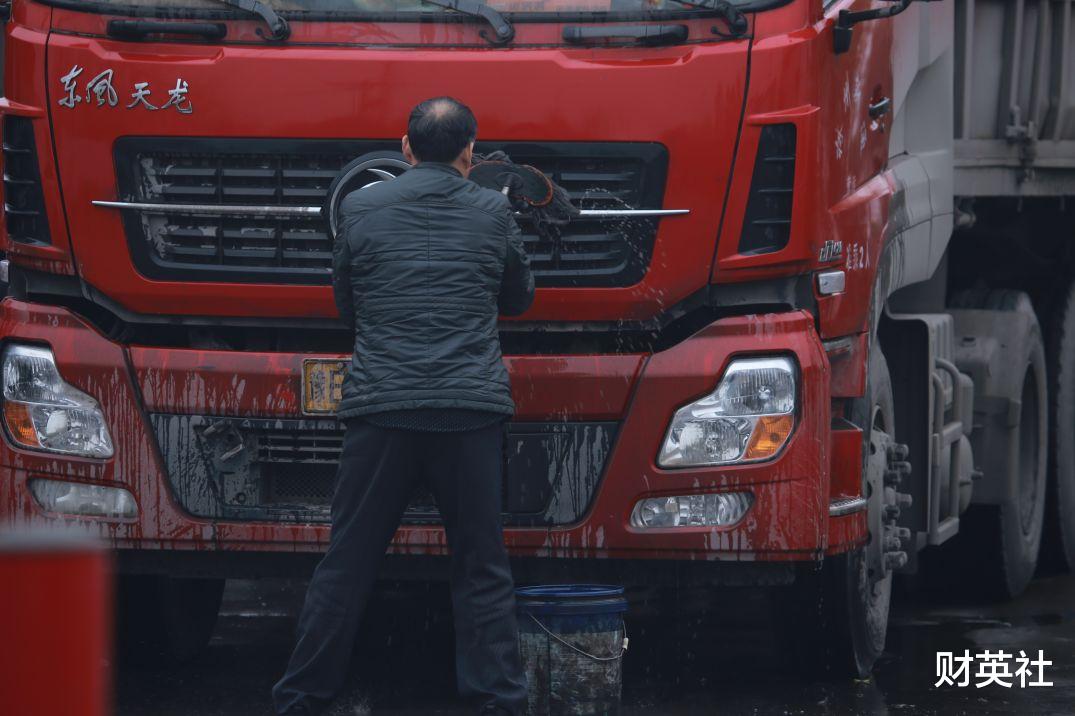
[322,385]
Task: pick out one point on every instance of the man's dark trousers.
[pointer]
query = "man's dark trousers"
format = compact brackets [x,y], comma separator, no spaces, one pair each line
[379,468]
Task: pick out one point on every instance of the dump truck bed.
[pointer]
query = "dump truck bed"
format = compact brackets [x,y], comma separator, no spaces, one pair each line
[1014,119]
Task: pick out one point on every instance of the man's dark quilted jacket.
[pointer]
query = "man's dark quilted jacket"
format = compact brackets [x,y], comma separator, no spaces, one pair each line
[422,265]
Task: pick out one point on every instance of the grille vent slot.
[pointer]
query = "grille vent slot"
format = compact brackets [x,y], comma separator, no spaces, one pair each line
[767,223]
[24,203]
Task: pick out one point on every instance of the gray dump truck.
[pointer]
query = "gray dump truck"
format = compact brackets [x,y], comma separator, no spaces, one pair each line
[1013,123]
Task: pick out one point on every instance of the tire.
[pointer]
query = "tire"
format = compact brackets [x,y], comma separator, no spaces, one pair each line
[164,619]
[353,176]
[991,299]
[860,621]
[1058,542]
[844,606]
[996,551]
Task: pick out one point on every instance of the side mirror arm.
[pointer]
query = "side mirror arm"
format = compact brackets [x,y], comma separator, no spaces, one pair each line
[841,33]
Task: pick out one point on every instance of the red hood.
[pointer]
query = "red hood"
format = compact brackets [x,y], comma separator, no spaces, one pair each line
[355,82]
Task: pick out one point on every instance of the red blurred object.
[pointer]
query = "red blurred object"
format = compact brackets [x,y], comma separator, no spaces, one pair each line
[57,625]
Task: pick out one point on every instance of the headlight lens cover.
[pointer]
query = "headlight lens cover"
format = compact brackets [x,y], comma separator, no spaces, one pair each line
[748,418]
[75,498]
[42,412]
[720,509]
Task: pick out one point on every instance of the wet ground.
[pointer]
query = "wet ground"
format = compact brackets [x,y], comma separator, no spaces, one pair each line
[720,656]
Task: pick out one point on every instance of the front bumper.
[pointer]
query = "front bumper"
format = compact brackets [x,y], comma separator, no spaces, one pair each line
[788,521]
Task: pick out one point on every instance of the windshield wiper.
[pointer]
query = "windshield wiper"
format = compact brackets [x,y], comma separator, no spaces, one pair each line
[737,21]
[278,28]
[505,33]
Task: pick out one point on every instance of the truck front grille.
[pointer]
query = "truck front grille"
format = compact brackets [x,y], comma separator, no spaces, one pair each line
[178,245]
[285,470]
[298,467]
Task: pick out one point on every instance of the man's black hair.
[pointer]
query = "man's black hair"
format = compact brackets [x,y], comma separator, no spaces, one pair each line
[440,129]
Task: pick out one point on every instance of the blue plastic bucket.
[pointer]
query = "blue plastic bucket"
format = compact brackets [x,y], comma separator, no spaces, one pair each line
[572,638]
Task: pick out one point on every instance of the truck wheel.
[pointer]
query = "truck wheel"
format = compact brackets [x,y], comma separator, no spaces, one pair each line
[844,607]
[160,618]
[998,544]
[1058,543]
[860,582]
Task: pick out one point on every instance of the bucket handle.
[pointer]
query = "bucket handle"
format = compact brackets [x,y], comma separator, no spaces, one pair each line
[572,647]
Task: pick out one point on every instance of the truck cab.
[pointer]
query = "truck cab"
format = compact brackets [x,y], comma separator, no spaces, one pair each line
[736,365]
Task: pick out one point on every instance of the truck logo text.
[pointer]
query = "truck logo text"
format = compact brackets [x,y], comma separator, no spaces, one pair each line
[830,251]
[100,89]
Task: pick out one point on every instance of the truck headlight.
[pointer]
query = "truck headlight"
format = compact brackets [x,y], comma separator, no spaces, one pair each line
[75,498]
[720,509]
[748,418]
[42,412]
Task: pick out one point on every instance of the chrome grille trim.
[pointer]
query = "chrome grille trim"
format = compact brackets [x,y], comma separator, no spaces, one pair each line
[256,210]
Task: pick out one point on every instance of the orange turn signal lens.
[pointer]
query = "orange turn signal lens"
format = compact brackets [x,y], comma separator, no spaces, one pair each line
[769,436]
[20,424]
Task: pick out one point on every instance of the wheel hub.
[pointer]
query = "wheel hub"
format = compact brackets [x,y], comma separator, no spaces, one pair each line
[886,467]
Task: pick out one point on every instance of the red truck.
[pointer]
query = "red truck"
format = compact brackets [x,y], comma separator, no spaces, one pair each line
[817,314]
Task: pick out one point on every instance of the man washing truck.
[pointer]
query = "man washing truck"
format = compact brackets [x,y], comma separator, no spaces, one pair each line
[814,324]
[422,267]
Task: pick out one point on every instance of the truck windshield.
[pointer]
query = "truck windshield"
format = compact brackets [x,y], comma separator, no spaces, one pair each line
[328,9]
